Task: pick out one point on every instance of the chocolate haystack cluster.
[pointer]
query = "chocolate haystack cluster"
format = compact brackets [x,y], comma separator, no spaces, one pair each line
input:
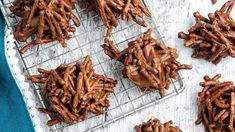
[109,10]
[217,103]
[214,38]
[48,20]
[154,125]
[73,91]
[147,63]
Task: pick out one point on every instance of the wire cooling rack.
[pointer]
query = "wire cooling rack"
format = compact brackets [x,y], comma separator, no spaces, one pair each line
[127,98]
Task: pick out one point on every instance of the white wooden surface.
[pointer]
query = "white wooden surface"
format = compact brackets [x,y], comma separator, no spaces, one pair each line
[174,16]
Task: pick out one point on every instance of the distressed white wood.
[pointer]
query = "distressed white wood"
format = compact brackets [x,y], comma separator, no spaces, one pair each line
[174,16]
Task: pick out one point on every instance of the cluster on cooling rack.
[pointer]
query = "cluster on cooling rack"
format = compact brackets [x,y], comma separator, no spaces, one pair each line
[49,20]
[212,39]
[73,91]
[154,125]
[217,103]
[109,10]
[147,63]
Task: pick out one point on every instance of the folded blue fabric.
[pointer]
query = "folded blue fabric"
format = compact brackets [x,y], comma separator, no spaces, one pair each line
[14,116]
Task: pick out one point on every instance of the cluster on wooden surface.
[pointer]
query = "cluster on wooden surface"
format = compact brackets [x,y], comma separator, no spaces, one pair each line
[147,63]
[154,125]
[49,20]
[212,39]
[73,91]
[217,104]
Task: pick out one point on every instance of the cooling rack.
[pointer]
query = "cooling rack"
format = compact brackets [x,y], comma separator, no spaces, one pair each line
[127,98]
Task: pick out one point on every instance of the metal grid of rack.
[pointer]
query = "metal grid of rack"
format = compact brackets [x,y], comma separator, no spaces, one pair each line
[127,98]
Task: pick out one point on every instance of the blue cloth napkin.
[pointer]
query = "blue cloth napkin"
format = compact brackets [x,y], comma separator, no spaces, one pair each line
[14,116]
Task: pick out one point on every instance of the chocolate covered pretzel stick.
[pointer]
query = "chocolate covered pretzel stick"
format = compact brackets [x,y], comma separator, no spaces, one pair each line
[154,125]
[47,19]
[73,91]
[212,38]
[213,1]
[147,63]
[217,104]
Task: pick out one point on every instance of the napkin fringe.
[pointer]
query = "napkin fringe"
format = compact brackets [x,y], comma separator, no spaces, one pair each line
[21,81]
